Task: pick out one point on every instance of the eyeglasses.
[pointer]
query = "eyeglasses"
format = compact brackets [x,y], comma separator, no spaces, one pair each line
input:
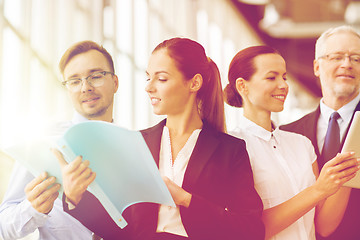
[96,79]
[340,57]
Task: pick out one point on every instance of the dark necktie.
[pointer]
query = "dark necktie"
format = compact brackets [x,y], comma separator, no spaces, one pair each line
[332,139]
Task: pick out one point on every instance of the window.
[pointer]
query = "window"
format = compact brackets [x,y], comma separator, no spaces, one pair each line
[35,34]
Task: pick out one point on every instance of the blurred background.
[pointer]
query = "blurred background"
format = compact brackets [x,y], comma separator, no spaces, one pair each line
[35,33]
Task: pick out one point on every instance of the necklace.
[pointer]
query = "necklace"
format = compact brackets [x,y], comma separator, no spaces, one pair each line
[170,156]
[184,150]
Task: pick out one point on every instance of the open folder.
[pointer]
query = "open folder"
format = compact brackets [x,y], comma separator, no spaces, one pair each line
[352,144]
[126,172]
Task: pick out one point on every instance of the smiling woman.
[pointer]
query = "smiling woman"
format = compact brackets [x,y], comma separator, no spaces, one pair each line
[286,173]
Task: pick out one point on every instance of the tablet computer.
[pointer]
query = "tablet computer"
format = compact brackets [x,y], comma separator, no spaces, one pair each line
[352,144]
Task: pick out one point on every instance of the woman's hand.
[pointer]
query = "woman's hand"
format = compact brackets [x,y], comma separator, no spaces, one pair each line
[336,172]
[180,196]
[77,176]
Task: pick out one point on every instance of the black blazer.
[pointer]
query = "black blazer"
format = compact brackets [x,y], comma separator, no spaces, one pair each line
[349,228]
[224,203]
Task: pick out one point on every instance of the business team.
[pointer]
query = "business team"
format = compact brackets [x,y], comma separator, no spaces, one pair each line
[219,184]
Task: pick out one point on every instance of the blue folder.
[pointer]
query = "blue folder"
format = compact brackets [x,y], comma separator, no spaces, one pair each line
[126,172]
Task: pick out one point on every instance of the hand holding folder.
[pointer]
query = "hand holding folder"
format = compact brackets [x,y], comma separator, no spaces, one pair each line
[126,172]
[77,176]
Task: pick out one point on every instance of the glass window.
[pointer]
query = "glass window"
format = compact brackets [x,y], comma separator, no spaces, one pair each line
[10,92]
[124,25]
[13,12]
[36,34]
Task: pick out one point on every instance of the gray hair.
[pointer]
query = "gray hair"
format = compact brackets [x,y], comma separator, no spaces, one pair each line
[320,43]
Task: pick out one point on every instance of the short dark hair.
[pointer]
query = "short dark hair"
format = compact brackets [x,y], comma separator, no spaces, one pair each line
[82,47]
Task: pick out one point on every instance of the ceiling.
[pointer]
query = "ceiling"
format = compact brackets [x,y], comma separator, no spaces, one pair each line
[292,27]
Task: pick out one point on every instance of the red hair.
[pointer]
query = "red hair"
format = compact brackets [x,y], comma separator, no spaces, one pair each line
[190,59]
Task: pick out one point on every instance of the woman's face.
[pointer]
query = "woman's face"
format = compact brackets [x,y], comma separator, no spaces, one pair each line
[167,88]
[267,89]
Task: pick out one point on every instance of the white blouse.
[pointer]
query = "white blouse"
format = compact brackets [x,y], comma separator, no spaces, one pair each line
[282,166]
[169,217]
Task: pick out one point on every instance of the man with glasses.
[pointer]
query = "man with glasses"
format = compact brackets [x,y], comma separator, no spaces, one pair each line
[32,202]
[337,65]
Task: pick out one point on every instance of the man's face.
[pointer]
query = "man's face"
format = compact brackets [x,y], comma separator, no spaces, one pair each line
[94,103]
[339,77]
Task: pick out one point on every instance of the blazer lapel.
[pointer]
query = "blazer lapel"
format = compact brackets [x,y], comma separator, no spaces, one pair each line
[310,129]
[357,107]
[152,138]
[146,214]
[204,148]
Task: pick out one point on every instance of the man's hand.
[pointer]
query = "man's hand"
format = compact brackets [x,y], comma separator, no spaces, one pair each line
[77,176]
[42,192]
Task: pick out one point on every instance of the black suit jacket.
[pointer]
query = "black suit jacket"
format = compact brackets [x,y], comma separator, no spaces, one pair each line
[349,228]
[224,203]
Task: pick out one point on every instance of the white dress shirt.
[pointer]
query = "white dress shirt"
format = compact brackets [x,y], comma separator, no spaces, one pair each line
[18,218]
[282,166]
[345,113]
[169,217]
